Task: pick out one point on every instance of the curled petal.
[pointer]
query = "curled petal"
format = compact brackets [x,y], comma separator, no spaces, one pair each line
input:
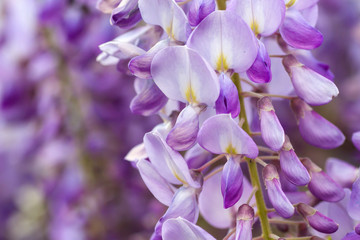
[183,75]
[126,15]
[168,15]
[290,164]
[354,203]
[356,140]
[220,134]
[298,33]
[276,195]
[157,185]
[244,222]
[231,182]
[263,16]
[218,35]
[107,6]
[316,219]
[271,130]
[228,101]
[149,101]
[199,9]
[118,50]
[169,163]
[315,129]
[140,65]
[260,70]
[309,85]
[180,229]
[346,176]
[184,134]
[321,185]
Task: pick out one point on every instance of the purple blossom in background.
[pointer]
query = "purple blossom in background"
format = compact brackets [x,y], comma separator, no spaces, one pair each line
[180,120]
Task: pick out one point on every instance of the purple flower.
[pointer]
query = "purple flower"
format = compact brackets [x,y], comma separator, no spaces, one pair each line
[244,222]
[316,219]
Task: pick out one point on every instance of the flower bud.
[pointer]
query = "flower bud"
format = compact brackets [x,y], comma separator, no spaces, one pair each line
[309,85]
[291,166]
[231,182]
[357,229]
[316,219]
[271,130]
[244,222]
[321,185]
[277,197]
[315,129]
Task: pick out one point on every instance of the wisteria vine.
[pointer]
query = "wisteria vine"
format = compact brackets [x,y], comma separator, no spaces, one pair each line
[207,69]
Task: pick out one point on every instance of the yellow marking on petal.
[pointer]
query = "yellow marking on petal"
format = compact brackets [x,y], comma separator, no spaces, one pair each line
[290,3]
[255,27]
[230,149]
[190,95]
[170,32]
[179,178]
[221,63]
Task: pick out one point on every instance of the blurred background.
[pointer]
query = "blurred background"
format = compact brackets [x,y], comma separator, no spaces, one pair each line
[65,122]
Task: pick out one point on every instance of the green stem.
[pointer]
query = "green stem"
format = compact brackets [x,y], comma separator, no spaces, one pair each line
[221,4]
[255,181]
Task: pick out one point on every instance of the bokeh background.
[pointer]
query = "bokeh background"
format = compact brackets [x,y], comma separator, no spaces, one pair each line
[65,122]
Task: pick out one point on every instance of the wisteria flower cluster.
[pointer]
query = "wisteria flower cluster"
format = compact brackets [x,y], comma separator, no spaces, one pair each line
[202,66]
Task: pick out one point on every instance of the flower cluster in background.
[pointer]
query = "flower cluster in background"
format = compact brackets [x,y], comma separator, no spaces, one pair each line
[164,119]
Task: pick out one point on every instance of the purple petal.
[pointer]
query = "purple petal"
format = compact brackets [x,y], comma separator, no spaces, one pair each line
[197,156]
[184,134]
[316,219]
[298,33]
[260,70]
[271,130]
[300,197]
[200,9]
[276,195]
[351,236]
[244,222]
[356,140]
[308,59]
[149,101]
[136,153]
[218,35]
[290,164]
[140,65]
[211,202]
[321,185]
[315,129]
[263,16]
[309,85]
[119,50]
[346,176]
[184,204]
[186,76]
[220,134]
[228,101]
[354,203]
[157,185]
[180,229]
[232,182]
[170,164]
[126,15]
[168,15]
